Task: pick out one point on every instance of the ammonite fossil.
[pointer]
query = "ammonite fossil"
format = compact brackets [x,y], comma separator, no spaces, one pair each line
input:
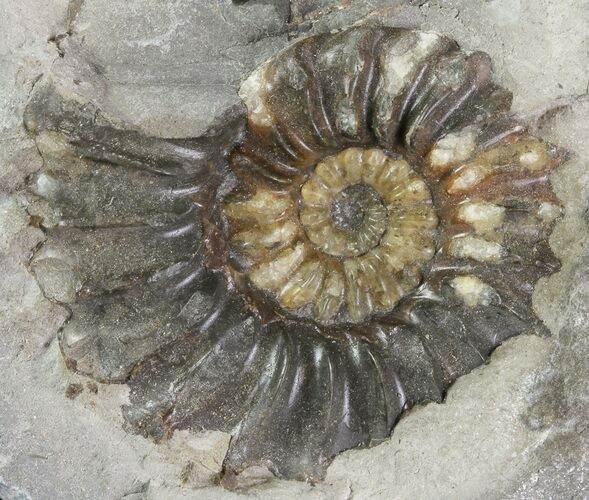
[372,232]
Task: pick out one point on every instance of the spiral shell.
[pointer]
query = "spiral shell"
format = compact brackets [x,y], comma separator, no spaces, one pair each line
[373,232]
[363,227]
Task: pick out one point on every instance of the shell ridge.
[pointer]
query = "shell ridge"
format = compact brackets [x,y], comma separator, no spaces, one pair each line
[346,283]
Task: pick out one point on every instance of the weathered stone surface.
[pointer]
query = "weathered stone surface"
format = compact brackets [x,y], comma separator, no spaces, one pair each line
[168,69]
[25,55]
[560,406]
[9,493]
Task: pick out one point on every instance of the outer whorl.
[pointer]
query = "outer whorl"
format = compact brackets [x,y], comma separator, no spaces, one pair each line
[374,231]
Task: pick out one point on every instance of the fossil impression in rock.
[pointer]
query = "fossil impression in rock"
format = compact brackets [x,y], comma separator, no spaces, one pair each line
[301,276]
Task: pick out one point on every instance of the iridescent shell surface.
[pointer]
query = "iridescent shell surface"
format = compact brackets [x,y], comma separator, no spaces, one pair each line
[372,230]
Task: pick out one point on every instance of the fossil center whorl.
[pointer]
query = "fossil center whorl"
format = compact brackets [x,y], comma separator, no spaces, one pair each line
[351,243]
[350,209]
[355,220]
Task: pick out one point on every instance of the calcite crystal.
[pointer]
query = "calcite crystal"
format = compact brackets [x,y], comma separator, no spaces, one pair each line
[371,229]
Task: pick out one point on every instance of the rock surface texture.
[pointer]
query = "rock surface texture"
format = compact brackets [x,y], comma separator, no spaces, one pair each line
[514,428]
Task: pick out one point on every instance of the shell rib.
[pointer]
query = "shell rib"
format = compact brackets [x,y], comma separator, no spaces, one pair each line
[373,232]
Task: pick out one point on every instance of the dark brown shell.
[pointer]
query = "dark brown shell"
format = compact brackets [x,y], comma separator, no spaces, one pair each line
[160,301]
